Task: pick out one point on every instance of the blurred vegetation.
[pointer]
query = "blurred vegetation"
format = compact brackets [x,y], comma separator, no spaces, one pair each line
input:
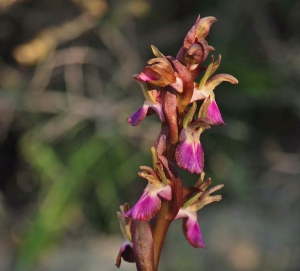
[69,158]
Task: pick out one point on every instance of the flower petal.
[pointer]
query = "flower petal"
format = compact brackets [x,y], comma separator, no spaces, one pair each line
[138,115]
[149,203]
[192,232]
[166,193]
[189,154]
[198,94]
[146,207]
[190,227]
[141,113]
[213,113]
[126,253]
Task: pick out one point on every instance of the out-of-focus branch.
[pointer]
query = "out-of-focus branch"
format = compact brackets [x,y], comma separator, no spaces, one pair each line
[69,111]
[120,47]
[7,3]
[71,56]
[39,48]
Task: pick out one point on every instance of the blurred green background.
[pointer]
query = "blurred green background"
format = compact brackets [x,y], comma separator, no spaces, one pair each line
[68,158]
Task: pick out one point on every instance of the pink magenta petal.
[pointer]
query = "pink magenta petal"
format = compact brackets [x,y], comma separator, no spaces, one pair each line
[166,193]
[214,114]
[192,232]
[148,75]
[138,116]
[189,155]
[146,207]
[144,77]
[149,203]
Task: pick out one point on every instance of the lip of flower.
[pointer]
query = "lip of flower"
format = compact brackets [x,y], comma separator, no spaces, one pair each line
[189,153]
[213,113]
[191,228]
[210,110]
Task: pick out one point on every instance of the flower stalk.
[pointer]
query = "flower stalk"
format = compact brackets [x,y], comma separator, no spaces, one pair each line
[186,109]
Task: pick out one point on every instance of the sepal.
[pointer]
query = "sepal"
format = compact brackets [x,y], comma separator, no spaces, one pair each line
[203,27]
[159,72]
[156,52]
[218,79]
[184,97]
